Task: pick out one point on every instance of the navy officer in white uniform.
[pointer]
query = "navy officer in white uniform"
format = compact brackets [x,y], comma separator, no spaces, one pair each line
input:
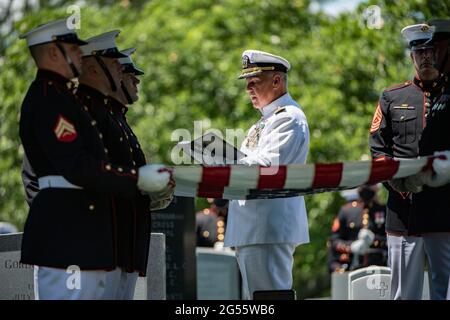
[265,232]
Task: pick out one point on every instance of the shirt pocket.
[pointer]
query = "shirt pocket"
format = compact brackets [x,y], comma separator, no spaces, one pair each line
[404,125]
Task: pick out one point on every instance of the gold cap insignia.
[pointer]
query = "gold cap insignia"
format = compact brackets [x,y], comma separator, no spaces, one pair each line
[245,62]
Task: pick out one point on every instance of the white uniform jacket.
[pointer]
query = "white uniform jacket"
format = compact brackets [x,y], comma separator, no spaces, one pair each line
[280,137]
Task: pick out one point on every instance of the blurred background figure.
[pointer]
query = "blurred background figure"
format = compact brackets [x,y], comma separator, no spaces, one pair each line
[358,236]
[211,223]
[6,227]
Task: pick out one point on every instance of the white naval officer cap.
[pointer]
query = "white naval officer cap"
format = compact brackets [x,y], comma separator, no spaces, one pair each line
[418,36]
[255,62]
[103,45]
[350,194]
[128,64]
[53,31]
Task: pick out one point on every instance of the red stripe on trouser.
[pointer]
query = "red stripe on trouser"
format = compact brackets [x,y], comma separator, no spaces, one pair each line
[327,175]
[272,177]
[382,170]
[214,179]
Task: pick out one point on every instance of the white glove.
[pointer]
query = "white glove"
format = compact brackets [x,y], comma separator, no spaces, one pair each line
[365,239]
[442,166]
[367,236]
[359,246]
[153,178]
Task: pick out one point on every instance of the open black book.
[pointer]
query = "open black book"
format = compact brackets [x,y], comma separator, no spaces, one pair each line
[211,150]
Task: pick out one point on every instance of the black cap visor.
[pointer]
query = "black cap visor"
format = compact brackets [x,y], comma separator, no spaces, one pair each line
[109,53]
[70,38]
[131,68]
[421,44]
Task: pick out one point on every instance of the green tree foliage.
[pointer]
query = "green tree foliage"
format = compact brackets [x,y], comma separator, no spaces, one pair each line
[191,52]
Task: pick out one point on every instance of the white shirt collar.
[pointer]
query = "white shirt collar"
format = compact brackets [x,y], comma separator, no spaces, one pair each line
[269,109]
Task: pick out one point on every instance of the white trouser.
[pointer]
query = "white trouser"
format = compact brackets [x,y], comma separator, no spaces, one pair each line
[448,290]
[437,248]
[265,267]
[57,284]
[406,258]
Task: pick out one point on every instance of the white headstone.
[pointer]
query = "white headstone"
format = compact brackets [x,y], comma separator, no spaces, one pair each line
[17,280]
[339,285]
[156,268]
[371,283]
[368,284]
[153,286]
[218,276]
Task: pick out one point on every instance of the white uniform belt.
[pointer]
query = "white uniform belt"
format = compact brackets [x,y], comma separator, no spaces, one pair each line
[55,182]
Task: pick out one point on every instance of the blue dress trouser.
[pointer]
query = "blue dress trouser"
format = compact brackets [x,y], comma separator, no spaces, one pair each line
[437,248]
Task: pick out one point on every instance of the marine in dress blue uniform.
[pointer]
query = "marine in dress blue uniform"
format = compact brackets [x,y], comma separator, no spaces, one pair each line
[121,101]
[396,129]
[430,214]
[96,90]
[72,223]
[349,247]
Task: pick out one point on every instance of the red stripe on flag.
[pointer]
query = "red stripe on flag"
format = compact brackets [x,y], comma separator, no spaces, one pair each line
[429,164]
[214,179]
[327,175]
[272,177]
[205,193]
[382,170]
[380,158]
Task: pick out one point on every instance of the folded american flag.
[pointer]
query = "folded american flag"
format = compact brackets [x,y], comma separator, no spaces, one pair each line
[257,182]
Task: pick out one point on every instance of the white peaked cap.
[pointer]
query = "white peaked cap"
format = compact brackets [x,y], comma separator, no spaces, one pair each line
[52,31]
[103,45]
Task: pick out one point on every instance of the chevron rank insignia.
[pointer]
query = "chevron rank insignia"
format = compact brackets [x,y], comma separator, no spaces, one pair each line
[376,121]
[65,130]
